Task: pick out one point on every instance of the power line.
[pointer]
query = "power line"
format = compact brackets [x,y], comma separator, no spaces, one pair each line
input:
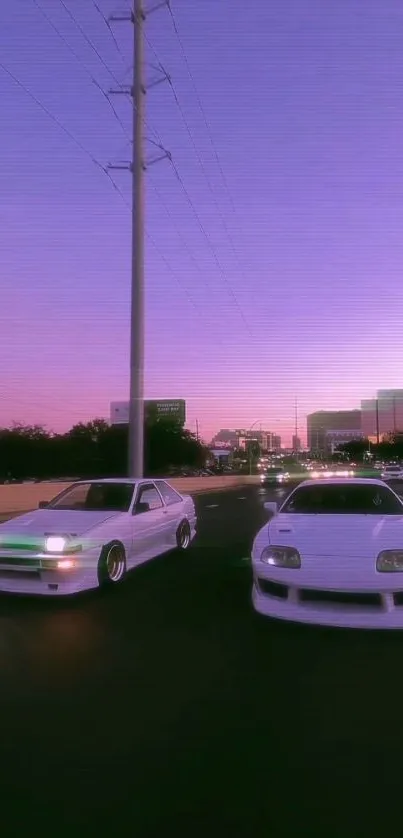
[95,162]
[210,188]
[178,231]
[89,42]
[51,116]
[98,54]
[173,273]
[217,158]
[84,67]
[203,112]
[158,249]
[64,129]
[110,30]
[208,240]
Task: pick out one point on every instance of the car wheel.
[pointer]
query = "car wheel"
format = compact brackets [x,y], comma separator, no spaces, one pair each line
[183,536]
[112,564]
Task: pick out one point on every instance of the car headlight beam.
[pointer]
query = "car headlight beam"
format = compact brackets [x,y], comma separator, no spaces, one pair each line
[278,556]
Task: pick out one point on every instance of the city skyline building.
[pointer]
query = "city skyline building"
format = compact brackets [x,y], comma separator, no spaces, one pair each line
[382,415]
[326,429]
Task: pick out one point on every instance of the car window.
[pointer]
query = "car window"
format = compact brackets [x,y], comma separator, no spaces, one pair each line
[149,495]
[343,500]
[95,497]
[169,494]
[72,498]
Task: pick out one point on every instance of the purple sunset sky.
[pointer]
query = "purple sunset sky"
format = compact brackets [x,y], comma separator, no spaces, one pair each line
[303,101]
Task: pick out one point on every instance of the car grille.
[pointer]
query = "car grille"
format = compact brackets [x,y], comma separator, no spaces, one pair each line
[340,597]
[306,595]
[14,561]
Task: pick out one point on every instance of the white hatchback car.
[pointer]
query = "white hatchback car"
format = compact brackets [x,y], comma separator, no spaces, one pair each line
[333,555]
[91,534]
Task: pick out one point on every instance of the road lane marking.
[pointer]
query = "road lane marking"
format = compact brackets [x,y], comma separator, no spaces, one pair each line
[212,506]
[242,498]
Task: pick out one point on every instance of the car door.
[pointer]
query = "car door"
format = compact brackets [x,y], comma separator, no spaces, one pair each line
[173,511]
[148,523]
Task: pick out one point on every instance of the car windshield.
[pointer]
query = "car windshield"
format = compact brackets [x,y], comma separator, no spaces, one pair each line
[343,500]
[275,470]
[95,497]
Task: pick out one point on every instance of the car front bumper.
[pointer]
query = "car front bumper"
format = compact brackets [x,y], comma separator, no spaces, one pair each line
[21,574]
[344,609]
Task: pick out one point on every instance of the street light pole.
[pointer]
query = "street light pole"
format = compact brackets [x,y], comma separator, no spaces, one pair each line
[136,408]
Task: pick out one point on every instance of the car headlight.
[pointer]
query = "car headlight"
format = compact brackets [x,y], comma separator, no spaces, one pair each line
[55,544]
[390,561]
[281,557]
[61,544]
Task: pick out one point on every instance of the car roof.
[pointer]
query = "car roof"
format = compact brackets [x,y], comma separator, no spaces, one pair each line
[123,480]
[341,481]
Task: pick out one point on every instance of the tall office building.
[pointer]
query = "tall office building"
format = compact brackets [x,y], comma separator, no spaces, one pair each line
[383,415]
[326,429]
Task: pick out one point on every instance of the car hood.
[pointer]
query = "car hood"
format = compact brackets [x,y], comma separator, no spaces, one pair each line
[337,535]
[63,521]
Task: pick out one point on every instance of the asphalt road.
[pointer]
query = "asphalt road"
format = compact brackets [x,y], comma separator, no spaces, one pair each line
[169,708]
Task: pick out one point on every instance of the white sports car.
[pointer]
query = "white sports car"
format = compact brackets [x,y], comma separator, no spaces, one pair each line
[91,534]
[333,555]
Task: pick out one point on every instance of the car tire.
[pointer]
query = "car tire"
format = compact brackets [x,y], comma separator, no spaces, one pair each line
[183,536]
[111,565]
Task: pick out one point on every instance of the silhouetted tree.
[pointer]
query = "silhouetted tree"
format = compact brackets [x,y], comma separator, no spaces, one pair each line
[94,449]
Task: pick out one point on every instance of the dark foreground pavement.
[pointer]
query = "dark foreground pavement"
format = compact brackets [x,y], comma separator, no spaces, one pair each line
[168,708]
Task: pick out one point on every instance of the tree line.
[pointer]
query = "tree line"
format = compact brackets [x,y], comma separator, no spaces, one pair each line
[389,449]
[94,449]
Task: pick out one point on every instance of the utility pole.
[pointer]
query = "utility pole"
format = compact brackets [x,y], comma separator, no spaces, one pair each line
[137,167]
[296,427]
[377,421]
[197,430]
[136,408]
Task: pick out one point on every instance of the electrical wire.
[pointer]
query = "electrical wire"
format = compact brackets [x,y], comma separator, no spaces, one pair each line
[110,30]
[208,129]
[89,41]
[179,233]
[203,230]
[98,54]
[105,171]
[82,65]
[213,251]
[175,276]
[52,116]
[200,104]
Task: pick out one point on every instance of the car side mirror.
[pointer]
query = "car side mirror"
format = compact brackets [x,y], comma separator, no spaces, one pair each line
[271,506]
[43,504]
[141,507]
